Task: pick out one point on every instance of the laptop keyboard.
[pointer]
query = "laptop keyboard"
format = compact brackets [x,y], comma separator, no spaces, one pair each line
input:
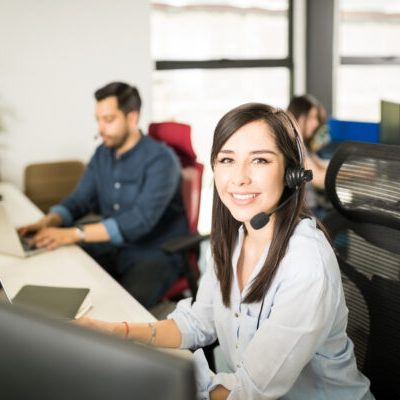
[27,243]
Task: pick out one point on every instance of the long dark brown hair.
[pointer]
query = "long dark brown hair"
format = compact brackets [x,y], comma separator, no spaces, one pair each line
[224,228]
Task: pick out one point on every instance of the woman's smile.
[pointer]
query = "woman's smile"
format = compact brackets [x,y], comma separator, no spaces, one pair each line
[249,171]
[244,198]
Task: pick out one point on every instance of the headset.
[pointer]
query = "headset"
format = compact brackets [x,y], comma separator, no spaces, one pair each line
[295,176]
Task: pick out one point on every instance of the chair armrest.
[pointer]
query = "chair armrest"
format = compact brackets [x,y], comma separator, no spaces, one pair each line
[183,243]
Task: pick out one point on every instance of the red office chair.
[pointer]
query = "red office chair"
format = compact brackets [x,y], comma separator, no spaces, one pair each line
[177,136]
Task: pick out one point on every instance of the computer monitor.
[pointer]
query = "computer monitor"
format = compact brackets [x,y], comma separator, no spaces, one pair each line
[47,359]
[390,122]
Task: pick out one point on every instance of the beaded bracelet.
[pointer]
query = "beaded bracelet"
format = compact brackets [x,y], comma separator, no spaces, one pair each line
[153,333]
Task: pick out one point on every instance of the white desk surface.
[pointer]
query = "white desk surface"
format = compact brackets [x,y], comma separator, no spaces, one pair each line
[65,266]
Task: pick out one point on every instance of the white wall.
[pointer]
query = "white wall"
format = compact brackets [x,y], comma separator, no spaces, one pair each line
[53,56]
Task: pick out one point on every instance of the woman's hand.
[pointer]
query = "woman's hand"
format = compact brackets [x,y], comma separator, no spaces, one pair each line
[113,328]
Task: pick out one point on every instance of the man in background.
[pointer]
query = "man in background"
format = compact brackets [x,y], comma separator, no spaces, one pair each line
[134,184]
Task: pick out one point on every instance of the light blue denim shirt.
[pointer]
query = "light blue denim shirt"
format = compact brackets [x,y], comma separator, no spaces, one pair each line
[300,350]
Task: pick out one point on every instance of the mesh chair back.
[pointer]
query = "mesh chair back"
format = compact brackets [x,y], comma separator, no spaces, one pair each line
[177,136]
[362,183]
[191,191]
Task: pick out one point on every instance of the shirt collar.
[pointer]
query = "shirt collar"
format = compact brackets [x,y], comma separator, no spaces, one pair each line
[131,150]
[235,258]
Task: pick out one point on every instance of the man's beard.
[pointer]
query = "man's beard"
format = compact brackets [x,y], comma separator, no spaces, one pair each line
[120,143]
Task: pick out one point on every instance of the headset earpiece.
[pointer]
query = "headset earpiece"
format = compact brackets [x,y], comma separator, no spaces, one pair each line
[296,176]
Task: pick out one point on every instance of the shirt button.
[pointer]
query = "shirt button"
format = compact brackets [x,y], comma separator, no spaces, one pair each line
[237,365]
[236,314]
[116,206]
[237,345]
[117,185]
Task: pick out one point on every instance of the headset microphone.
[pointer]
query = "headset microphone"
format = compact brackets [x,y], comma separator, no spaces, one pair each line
[294,178]
[261,219]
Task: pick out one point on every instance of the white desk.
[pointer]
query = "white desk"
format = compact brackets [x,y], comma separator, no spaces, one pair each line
[65,266]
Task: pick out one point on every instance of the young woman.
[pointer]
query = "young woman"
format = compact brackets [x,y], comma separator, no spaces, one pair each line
[272,293]
[310,115]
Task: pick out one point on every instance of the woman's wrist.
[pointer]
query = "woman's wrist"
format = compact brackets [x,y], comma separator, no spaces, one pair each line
[126,327]
[146,333]
[122,329]
[153,333]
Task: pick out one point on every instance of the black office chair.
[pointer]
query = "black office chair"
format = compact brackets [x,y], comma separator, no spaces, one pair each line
[362,183]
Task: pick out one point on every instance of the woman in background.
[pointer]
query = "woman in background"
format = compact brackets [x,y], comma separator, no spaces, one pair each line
[272,292]
[310,116]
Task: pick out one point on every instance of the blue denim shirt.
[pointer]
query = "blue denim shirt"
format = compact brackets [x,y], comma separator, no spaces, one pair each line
[138,194]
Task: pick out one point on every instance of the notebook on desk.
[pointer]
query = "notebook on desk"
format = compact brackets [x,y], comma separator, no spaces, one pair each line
[10,242]
[53,301]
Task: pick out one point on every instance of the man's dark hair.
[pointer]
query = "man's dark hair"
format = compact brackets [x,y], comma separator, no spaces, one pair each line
[128,97]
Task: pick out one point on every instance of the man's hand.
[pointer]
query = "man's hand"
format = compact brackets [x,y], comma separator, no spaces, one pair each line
[51,238]
[32,228]
[48,220]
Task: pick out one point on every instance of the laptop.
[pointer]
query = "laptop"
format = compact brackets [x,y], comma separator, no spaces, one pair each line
[53,301]
[10,242]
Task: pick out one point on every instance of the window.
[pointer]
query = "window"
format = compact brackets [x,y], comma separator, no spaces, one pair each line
[370,57]
[211,56]
[204,30]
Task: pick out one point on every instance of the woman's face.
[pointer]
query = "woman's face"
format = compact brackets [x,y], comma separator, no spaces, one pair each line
[249,171]
[311,122]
